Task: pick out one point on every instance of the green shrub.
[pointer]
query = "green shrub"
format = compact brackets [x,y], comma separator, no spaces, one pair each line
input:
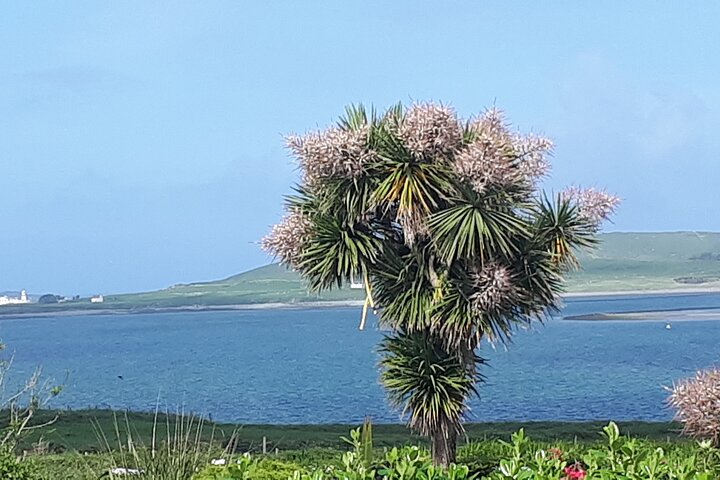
[269,469]
[482,458]
[619,457]
[246,468]
[70,466]
[230,472]
[616,457]
[311,458]
[396,464]
[242,469]
[12,468]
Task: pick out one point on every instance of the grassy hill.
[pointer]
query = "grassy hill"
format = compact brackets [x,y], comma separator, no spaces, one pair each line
[650,261]
[268,284]
[623,262]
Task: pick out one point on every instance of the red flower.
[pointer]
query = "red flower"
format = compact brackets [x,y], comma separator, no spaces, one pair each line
[575,471]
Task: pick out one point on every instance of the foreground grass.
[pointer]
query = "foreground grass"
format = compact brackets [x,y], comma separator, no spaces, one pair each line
[480,458]
[78,431]
[85,444]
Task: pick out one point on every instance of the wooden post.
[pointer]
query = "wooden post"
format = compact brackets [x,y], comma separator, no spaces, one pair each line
[264,445]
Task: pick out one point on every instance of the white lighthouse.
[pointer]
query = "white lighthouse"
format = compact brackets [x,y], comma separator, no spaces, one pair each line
[5,300]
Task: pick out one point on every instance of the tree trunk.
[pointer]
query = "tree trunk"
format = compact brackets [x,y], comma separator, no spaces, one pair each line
[444,445]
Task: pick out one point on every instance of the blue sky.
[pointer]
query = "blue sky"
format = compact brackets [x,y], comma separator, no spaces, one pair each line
[141,142]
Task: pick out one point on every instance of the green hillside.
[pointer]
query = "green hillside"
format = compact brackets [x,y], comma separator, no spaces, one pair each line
[650,261]
[269,284]
[624,261]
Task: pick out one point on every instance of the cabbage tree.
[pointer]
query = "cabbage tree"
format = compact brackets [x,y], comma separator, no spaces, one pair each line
[444,221]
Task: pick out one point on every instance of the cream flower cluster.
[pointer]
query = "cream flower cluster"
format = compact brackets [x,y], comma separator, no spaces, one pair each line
[335,152]
[287,239]
[594,205]
[697,401]
[431,130]
[498,157]
[494,287]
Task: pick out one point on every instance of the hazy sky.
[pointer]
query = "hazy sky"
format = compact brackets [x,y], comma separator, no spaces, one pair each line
[141,142]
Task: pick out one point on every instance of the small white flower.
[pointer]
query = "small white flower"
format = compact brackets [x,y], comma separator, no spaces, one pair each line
[125,471]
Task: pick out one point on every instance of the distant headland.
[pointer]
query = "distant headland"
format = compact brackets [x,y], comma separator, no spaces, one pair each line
[624,263]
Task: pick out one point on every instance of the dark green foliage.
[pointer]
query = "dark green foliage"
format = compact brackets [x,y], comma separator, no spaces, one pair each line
[610,457]
[12,468]
[70,465]
[553,444]
[426,379]
[246,468]
[49,299]
[73,431]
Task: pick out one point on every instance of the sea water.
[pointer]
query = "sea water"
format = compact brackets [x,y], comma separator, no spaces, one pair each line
[314,366]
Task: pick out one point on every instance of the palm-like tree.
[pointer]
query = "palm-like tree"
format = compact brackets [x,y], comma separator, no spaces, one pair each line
[431,383]
[444,221]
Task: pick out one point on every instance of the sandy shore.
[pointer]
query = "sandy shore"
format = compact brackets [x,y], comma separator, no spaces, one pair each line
[666,291]
[195,308]
[660,315]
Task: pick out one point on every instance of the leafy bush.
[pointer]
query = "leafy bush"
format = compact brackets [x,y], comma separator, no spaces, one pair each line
[357,464]
[246,468]
[11,468]
[70,465]
[617,457]
[620,458]
[697,401]
[404,463]
[482,458]
[243,469]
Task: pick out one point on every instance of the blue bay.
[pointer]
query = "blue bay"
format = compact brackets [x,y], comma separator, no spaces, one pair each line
[314,366]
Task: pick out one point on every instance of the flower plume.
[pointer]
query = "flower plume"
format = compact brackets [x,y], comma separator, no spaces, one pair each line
[333,153]
[430,129]
[496,157]
[494,287]
[532,151]
[594,205]
[697,401]
[287,239]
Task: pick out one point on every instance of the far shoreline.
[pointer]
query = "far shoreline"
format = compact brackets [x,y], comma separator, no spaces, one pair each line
[349,304]
[668,316]
[649,293]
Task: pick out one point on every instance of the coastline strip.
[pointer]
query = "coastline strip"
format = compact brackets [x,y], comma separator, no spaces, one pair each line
[31,312]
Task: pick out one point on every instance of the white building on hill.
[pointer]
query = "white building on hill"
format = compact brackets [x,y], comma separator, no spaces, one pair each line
[5,300]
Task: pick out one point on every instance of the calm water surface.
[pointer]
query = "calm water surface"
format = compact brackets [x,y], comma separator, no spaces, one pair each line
[314,366]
